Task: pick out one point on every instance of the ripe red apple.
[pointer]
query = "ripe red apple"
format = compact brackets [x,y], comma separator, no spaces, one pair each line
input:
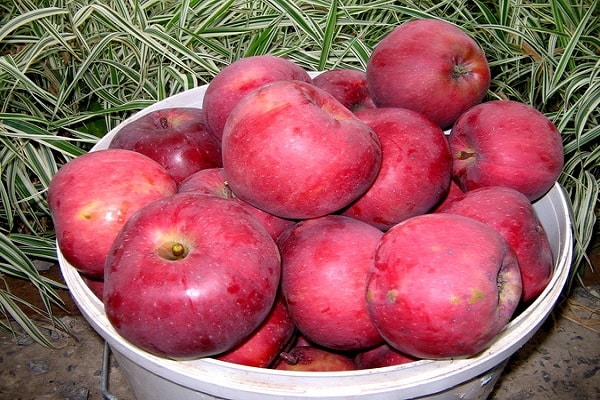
[415,170]
[93,195]
[348,86]
[293,150]
[212,181]
[189,276]
[512,215]
[96,285]
[238,79]
[325,262]
[175,137]
[383,355]
[314,359]
[263,346]
[429,66]
[506,143]
[442,285]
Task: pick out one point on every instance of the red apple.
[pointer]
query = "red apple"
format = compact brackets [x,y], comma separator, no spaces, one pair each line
[512,215]
[348,86]
[442,286]
[175,137]
[314,359]
[238,79]
[263,346]
[415,170]
[506,143]
[381,356]
[325,262]
[293,150]
[189,276]
[212,181]
[96,285]
[429,66]
[93,195]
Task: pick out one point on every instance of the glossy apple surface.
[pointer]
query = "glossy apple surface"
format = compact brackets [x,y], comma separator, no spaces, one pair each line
[415,170]
[510,213]
[92,196]
[263,346]
[212,181]
[293,150]
[429,66]
[174,137]
[190,276]
[325,262]
[239,78]
[442,286]
[348,86]
[506,143]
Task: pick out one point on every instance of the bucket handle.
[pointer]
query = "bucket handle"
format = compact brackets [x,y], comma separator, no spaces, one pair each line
[105,378]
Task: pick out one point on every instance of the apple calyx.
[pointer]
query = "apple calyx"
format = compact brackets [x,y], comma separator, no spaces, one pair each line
[464,154]
[164,122]
[289,357]
[173,251]
[460,70]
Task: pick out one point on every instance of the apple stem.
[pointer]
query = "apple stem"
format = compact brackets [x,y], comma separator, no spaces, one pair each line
[463,155]
[178,250]
[289,358]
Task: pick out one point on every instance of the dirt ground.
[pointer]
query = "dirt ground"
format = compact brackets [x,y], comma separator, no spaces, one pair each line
[561,361]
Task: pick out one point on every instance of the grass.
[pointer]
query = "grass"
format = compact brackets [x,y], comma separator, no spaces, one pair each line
[70,70]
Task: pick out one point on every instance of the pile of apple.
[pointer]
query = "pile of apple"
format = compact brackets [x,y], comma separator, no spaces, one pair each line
[319,222]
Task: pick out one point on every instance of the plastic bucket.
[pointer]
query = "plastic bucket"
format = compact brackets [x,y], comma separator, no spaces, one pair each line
[152,377]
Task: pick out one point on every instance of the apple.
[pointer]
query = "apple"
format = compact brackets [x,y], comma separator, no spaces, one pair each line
[383,355]
[348,86]
[442,285]
[96,285]
[238,79]
[510,213]
[506,143]
[293,150]
[174,137]
[92,196]
[212,181]
[429,66]
[314,359]
[415,170]
[263,346]
[325,262]
[189,276]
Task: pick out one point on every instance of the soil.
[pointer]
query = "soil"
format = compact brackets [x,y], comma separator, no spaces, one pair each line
[561,361]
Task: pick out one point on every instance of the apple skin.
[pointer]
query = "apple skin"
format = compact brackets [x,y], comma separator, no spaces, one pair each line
[293,150]
[263,346]
[348,86]
[325,262]
[429,66]
[89,213]
[314,359]
[453,191]
[383,355]
[415,170]
[506,143]
[197,300]
[212,181]
[442,286]
[176,138]
[239,78]
[510,213]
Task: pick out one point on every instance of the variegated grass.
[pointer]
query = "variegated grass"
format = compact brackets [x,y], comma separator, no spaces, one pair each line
[70,70]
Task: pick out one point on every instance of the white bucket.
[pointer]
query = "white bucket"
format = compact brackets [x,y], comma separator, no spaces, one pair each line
[155,378]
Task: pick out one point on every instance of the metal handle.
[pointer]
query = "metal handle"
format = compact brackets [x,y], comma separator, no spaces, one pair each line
[105,374]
